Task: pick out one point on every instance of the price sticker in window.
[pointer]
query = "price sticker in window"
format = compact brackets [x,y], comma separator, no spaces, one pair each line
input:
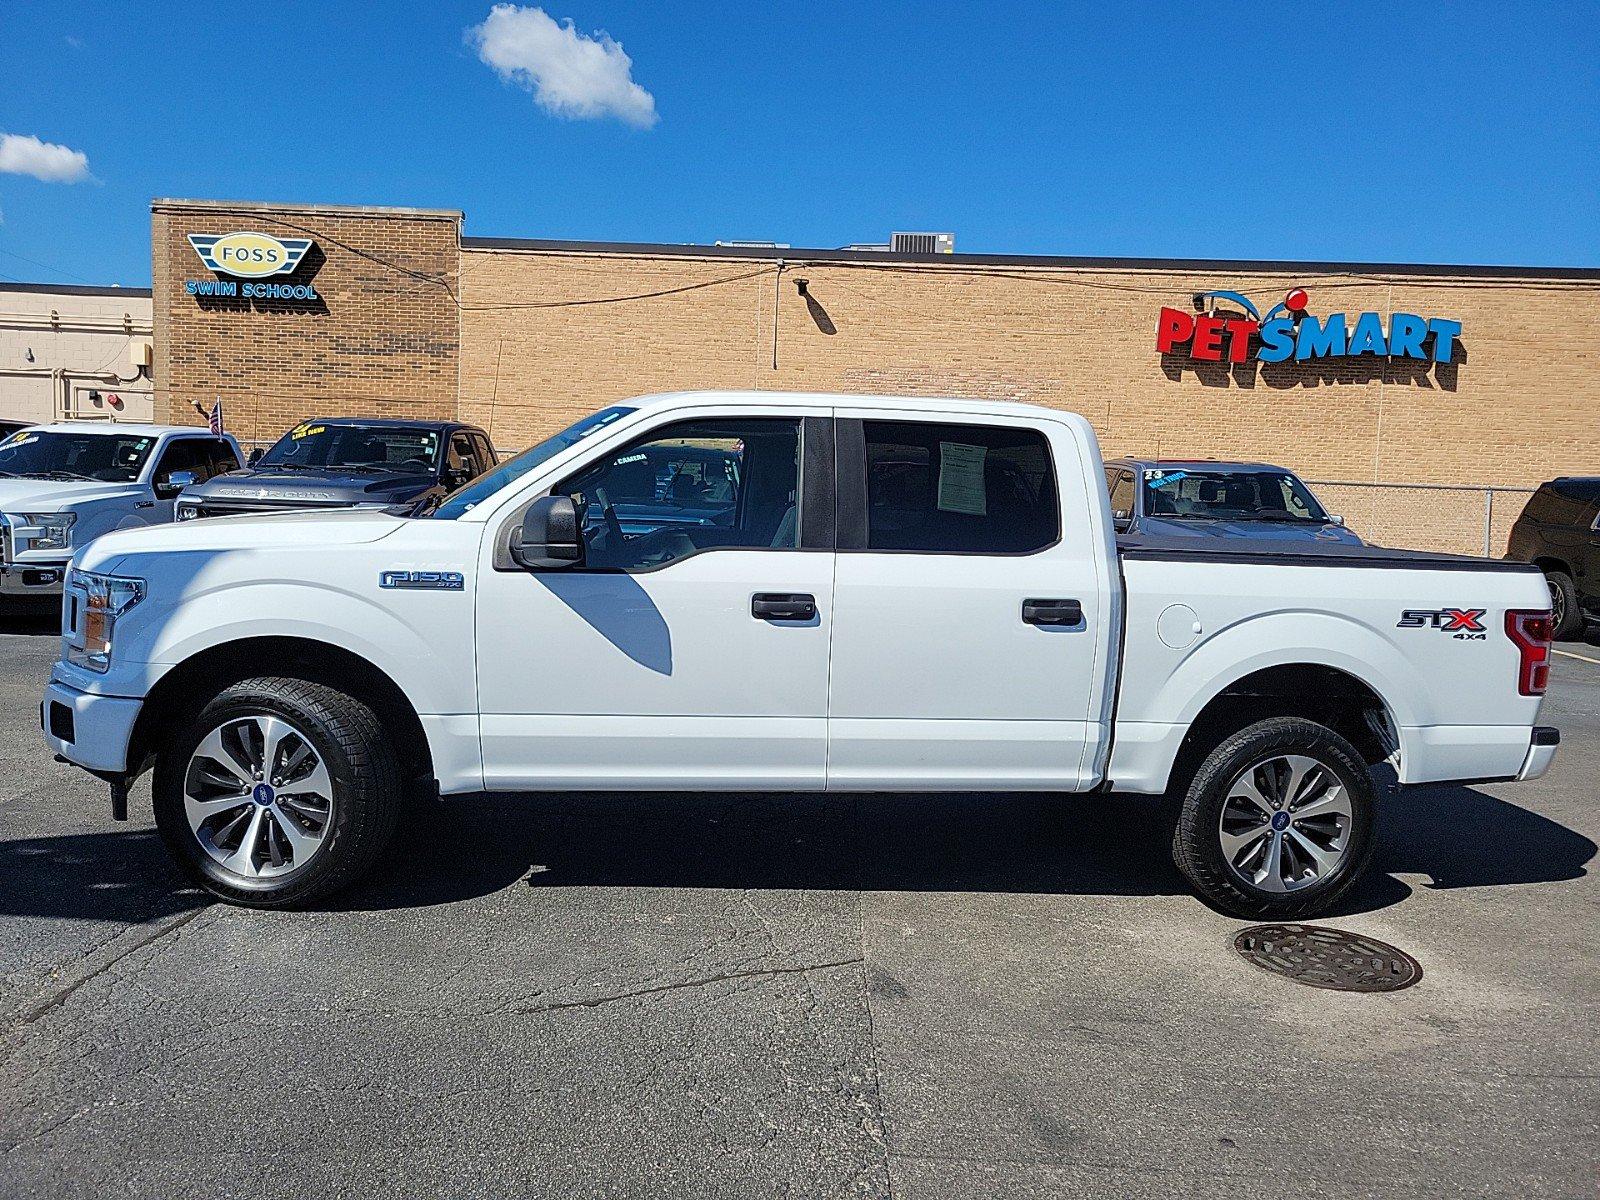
[961,487]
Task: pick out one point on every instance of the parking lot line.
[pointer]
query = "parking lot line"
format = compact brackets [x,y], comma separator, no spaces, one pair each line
[1579,657]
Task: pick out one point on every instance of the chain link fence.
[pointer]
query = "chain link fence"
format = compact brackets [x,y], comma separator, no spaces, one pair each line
[1453,518]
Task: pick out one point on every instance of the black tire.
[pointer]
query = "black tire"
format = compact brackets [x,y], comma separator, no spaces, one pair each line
[368,789]
[1197,841]
[1568,616]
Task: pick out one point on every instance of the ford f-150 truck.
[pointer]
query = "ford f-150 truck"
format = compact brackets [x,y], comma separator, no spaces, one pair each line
[349,462]
[879,594]
[63,485]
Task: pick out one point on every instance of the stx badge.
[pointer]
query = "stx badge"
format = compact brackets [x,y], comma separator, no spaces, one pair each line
[1461,622]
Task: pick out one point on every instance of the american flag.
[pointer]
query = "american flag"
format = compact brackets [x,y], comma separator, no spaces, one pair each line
[215,417]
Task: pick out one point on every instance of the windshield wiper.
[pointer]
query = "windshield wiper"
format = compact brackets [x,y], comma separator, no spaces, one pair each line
[367,467]
[57,473]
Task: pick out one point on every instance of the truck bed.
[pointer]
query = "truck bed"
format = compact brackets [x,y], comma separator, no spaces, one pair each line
[1425,633]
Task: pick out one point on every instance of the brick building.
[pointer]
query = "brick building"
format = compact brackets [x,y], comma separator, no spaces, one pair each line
[404,315]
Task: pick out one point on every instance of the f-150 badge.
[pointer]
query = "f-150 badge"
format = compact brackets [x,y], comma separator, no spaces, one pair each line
[442,581]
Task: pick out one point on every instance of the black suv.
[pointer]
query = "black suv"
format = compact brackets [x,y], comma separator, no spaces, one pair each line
[348,462]
[1559,532]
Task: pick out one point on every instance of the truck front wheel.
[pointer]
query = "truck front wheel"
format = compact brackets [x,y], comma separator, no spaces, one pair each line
[277,792]
[1278,821]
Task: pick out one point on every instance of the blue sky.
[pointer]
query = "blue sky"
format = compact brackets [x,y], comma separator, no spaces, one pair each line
[1372,132]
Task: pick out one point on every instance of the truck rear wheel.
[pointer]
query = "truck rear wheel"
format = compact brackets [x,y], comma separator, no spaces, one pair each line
[1277,822]
[277,792]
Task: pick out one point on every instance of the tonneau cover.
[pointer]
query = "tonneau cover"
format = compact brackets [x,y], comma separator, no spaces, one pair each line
[1271,552]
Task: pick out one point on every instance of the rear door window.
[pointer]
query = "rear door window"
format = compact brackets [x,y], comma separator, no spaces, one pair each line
[959,489]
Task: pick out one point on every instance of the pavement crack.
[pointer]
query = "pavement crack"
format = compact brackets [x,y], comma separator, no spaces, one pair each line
[706,981]
[98,964]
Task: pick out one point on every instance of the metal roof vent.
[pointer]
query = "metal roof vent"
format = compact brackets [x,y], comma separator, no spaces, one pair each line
[922,243]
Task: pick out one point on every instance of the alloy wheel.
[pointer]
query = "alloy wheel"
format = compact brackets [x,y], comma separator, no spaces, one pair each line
[1558,604]
[1285,823]
[258,797]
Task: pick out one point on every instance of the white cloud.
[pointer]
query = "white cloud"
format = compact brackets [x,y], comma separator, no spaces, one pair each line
[26,155]
[570,75]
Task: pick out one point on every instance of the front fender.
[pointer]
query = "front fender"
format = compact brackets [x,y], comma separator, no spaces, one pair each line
[421,639]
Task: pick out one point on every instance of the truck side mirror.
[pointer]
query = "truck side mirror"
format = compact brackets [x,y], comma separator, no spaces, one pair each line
[169,485]
[551,535]
[1120,520]
[1335,520]
[255,457]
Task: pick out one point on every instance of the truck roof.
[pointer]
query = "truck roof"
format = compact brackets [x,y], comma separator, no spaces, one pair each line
[116,427]
[1199,464]
[401,422]
[843,399]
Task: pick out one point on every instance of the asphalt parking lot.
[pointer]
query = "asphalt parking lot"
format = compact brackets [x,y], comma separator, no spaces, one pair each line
[756,996]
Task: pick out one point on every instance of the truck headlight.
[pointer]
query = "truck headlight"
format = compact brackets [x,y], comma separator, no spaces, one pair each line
[94,603]
[51,531]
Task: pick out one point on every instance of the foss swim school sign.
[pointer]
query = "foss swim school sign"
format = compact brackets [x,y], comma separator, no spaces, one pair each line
[242,259]
[1290,332]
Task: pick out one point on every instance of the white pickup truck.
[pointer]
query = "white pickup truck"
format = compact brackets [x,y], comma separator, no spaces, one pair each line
[761,591]
[63,485]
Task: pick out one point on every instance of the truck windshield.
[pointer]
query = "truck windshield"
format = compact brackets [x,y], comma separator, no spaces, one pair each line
[512,469]
[1180,494]
[315,445]
[52,454]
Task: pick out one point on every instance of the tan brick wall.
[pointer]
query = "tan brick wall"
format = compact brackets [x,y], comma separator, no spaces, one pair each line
[547,336]
[384,338]
[550,335]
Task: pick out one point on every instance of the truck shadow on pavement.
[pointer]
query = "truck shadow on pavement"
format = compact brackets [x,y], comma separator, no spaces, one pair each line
[32,620]
[1456,836]
[1083,845]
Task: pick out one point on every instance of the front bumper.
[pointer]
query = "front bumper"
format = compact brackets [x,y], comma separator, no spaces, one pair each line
[90,730]
[23,579]
[1541,752]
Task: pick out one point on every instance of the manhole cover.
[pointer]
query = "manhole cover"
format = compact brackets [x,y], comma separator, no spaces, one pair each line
[1328,958]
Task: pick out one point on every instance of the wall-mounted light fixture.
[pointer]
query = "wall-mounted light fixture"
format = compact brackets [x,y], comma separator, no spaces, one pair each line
[800,285]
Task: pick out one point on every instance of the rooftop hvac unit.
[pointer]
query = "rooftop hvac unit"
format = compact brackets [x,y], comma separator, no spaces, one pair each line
[922,243]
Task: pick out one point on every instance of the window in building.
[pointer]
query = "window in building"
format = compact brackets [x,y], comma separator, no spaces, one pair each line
[959,489]
[697,485]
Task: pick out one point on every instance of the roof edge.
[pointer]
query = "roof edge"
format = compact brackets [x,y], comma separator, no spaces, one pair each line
[798,254]
[178,204]
[77,289]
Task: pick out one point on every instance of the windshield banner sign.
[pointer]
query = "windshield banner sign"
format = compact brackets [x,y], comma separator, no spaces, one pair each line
[1289,331]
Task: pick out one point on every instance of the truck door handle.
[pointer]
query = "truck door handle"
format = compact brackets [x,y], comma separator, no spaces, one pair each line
[1052,612]
[783,606]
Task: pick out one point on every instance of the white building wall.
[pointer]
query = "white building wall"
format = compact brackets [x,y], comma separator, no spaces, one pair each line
[72,353]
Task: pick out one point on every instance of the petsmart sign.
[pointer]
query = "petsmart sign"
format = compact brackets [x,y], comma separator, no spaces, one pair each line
[1290,331]
[242,259]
